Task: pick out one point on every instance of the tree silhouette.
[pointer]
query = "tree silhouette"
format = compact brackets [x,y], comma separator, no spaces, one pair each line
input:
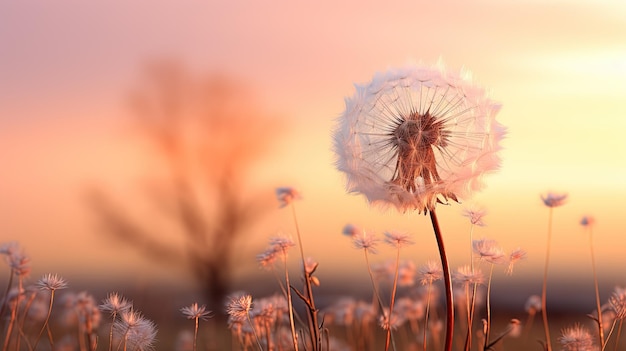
[208,136]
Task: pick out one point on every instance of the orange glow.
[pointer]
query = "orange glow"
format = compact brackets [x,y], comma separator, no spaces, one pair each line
[558,69]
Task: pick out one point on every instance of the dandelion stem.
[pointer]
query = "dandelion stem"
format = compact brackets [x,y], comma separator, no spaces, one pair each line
[393,300]
[619,333]
[290,304]
[426,314]
[595,281]
[447,277]
[310,302]
[488,302]
[45,324]
[544,313]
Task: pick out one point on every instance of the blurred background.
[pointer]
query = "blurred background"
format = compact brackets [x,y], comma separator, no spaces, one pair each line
[141,141]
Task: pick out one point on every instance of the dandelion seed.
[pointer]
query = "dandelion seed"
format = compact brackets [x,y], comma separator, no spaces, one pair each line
[576,338]
[416,136]
[554,199]
[51,282]
[397,239]
[286,195]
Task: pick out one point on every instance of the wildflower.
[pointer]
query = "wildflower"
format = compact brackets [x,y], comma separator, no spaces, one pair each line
[554,199]
[488,250]
[310,265]
[51,282]
[196,312]
[267,258]
[516,255]
[533,304]
[281,243]
[19,263]
[416,136]
[465,275]
[365,241]
[286,195]
[239,306]
[351,230]
[115,303]
[431,272]
[587,221]
[397,239]
[475,215]
[134,331]
[617,302]
[576,338]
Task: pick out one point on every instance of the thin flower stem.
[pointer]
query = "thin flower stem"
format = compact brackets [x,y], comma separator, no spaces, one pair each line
[426,314]
[544,313]
[290,304]
[447,277]
[256,336]
[609,335]
[369,270]
[393,300]
[313,325]
[595,281]
[195,335]
[45,324]
[488,303]
[619,334]
[470,310]
[6,292]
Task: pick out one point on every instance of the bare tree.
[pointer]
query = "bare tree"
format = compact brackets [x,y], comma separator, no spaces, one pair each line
[208,135]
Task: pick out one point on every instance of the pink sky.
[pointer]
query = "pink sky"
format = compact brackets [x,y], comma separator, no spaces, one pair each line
[559,69]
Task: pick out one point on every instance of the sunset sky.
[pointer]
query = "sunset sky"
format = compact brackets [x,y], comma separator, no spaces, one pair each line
[557,67]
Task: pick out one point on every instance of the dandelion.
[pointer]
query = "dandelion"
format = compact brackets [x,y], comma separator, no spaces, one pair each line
[134,331]
[551,200]
[489,251]
[351,230]
[576,338]
[196,313]
[515,256]
[532,306]
[114,304]
[475,215]
[397,239]
[239,309]
[415,137]
[286,195]
[50,282]
[366,241]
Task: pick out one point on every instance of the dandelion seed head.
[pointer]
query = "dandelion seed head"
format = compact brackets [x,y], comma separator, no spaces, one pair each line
[576,338]
[617,303]
[398,239]
[51,282]
[533,304]
[431,271]
[554,199]
[194,311]
[488,250]
[515,256]
[475,215]
[465,275]
[281,243]
[366,241]
[286,195]
[587,221]
[115,304]
[351,230]
[416,136]
[267,258]
[239,306]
